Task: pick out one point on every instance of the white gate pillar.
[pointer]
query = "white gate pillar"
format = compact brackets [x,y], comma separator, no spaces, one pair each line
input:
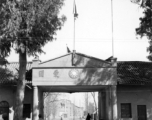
[35,104]
[102,105]
[114,103]
[108,104]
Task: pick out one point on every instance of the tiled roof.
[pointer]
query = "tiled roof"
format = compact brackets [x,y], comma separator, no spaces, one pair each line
[6,76]
[9,73]
[134,73]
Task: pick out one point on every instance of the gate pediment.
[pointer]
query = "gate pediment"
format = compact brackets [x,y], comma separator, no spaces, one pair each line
[75,69]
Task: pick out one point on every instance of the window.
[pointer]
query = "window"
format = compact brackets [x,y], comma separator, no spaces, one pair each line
[126,110]
[65,115]
[62,105]
[26,110]
[41,73]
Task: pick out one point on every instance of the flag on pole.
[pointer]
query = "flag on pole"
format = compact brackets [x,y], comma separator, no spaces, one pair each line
[68,50]
[75,10]
[140,2]
[137,1]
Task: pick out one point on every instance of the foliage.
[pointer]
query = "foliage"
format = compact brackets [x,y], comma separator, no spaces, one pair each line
[30,22]
[6,75]
[94,99]
[50,103]
[26,26]
[91,108]
[145,28]
[3,61]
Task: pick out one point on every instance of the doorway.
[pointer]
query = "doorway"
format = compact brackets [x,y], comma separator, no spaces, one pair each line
[70,106]
[141,112]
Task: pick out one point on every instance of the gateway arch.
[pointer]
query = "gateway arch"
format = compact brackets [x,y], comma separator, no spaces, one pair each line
[76,72]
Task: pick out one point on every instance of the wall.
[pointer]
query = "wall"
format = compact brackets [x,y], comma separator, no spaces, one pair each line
[7,93]
[136,95]
[86,71]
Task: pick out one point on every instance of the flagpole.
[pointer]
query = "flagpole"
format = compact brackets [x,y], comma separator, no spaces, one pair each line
[75,16]
[74,35]
[112,28]
[74,26]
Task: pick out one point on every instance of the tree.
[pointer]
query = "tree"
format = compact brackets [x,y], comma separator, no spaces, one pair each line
[3,61]
[6,75]
[91,108]
[94,99]
[26,26]
[145,27]
[51,103]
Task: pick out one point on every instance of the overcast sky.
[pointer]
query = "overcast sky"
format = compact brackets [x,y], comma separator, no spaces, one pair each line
[93,31]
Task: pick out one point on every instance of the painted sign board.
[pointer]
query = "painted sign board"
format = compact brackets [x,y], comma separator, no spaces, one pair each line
[75,76]
[85,72]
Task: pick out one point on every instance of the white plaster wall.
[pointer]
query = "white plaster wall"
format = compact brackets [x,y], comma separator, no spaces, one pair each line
[139,95]
[7,93]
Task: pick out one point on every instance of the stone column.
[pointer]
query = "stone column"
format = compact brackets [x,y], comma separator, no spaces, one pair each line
[35,103]
[114,103]
[99,105]
[108,104]
[41,106]
[102,105]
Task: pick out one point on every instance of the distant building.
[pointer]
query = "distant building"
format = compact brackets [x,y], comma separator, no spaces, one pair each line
[66,110]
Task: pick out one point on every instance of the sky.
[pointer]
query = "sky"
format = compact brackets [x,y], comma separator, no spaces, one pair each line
[93,31]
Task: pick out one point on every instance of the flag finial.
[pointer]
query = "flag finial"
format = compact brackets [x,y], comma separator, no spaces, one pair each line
[75,10]
[68,50]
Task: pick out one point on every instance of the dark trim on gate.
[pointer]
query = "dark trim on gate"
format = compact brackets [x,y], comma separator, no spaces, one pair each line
[55,58]
[69,67]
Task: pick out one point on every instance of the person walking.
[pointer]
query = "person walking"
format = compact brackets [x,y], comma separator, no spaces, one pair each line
[88,117]
[40,117]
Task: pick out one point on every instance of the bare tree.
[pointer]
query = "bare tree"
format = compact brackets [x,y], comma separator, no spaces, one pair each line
[94,98]
[91,107]
[50,103]
[95,103]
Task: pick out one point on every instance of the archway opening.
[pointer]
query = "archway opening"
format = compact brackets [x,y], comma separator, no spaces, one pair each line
[70,106]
